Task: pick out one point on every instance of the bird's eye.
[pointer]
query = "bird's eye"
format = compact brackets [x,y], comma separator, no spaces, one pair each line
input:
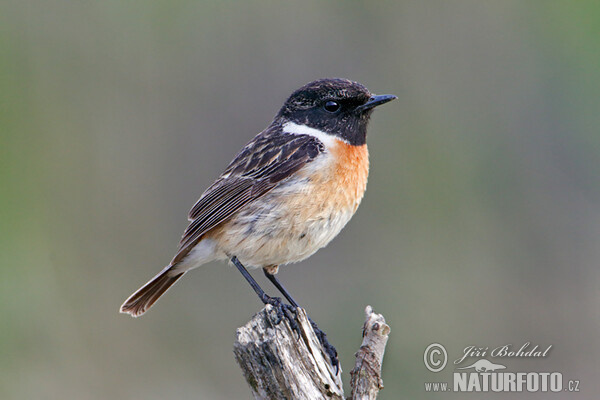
[331,106]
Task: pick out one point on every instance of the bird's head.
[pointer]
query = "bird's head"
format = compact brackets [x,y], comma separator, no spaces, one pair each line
[334,106]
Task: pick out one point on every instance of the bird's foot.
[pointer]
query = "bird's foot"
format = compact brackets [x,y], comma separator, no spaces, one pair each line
[283,311]
[290,313]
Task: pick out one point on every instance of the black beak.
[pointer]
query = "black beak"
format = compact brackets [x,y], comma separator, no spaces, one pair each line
[375,101]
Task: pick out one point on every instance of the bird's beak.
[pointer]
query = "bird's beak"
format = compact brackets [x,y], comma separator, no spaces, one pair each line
[375,101]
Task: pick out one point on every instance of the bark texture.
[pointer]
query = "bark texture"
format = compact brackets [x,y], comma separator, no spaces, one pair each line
[366,379]
[280,364]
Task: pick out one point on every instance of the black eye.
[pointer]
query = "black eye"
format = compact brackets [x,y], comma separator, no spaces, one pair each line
[331,106]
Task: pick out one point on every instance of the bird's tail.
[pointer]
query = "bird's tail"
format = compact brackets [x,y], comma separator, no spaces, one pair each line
[139,302]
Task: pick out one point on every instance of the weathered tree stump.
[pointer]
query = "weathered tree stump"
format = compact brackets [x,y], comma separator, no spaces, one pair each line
[277,364]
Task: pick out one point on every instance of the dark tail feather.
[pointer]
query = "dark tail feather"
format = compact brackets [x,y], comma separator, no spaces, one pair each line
[139,302]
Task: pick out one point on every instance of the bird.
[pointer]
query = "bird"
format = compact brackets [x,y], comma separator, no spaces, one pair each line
[284,196]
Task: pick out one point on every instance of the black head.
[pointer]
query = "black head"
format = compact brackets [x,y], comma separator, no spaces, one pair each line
[337,106]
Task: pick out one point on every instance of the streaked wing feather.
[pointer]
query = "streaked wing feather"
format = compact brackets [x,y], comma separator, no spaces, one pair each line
[268,159]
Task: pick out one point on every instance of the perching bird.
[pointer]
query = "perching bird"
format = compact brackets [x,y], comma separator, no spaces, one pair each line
[285,195]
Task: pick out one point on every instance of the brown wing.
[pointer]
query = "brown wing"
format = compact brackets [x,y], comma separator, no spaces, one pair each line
[271,157]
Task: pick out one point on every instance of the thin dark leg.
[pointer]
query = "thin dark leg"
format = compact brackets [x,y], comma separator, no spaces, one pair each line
[279,286]
[282,310]
[286,310]
[261,293]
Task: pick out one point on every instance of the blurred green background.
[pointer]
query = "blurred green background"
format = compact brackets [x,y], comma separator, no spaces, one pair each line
[480,226]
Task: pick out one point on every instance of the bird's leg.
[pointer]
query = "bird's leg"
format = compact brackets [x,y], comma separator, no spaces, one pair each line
[261,293]
[280,308]
[280,287]
[328,347]
[289,311]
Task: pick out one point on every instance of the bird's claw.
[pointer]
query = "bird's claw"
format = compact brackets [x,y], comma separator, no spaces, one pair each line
[290,313]
[282,311]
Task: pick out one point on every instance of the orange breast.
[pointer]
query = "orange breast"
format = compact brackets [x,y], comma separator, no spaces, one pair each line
[352,169]
[342,182]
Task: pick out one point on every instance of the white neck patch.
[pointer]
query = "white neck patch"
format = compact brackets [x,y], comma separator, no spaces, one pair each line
[327,139]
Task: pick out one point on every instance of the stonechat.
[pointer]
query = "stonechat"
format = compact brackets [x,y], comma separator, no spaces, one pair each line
[285,195]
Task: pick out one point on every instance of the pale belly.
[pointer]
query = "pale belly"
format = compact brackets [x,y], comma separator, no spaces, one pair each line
[287,225]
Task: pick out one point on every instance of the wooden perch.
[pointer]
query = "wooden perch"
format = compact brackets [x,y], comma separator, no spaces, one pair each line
[277,364]
[366,376]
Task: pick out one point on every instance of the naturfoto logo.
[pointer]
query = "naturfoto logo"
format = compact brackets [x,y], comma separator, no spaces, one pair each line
[483,375]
